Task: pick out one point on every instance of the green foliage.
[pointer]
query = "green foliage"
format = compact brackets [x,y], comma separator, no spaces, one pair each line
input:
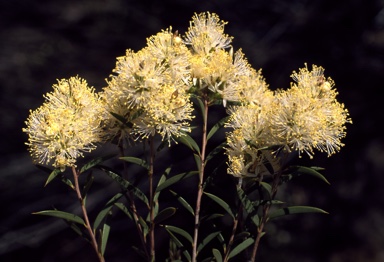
[295,210]
[61,214]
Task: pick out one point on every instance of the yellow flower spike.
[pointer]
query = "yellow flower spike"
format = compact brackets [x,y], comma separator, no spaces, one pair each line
[66,125]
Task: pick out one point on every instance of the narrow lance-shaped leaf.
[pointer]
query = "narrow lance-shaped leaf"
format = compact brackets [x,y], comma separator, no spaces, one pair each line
[162,179]
[95,162]
[242,236]
[174,179]
[217,126]
[164,214]
[104,238]
[61,214]
[128,186]
[123,208]
[180,245]
[197,160]
[267,187]
[206,240]
[188,141]
[183,202]
[157,193]
[215,151]
[200,104]
[248,206]
[52,176]
[302,170]
[179,231]
[87,185]
[240,247]
[221,202]
[136,160]
[105,211]
[296,210]
[122,119]
[77,229]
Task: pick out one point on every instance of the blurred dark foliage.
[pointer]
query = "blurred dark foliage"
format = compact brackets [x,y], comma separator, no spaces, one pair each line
[41,41]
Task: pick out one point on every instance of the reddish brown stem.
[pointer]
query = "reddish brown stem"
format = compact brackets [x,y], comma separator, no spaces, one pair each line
[201,178]
[85,215]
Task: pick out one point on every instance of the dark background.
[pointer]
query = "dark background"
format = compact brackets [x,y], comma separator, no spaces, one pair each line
[41,41]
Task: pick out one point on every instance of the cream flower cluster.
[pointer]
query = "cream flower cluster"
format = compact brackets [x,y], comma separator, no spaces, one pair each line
[149,90]
[305,117]
[66,125]
[215,70]
[150,93]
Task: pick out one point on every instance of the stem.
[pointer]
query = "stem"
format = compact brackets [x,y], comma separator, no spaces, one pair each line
[132,205]
[234,228]
[151,207]
[85,214]
[201,178]
[264,219]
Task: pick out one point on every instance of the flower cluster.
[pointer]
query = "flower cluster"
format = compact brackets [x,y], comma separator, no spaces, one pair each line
[66,125]
[150,93]
[215,70]
[149,90]
[303,118]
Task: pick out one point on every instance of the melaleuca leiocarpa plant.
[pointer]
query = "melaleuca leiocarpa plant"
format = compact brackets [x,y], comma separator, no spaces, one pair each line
[163,95]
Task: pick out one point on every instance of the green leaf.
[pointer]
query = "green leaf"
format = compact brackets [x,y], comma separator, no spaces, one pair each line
[183,202]
[76,229]
[197,160]
[240,247]
[67,182]
[221,202]
[296,210]
[95,162]
[248,206]
[216,253]
[267,187]
[135,160]
[104,238]
[206,240]
[128,186]
[174,179]
[302,170]
[222,241]
[201,107]
[188,141]
[164,214]
[180,245]
[106,210]
[217,126]
[241,236]
[122,119]
[87,185]
[161,181]
[211,217]
[52,176]
[125,210]
[61,214]
[215,151]
[179,231]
